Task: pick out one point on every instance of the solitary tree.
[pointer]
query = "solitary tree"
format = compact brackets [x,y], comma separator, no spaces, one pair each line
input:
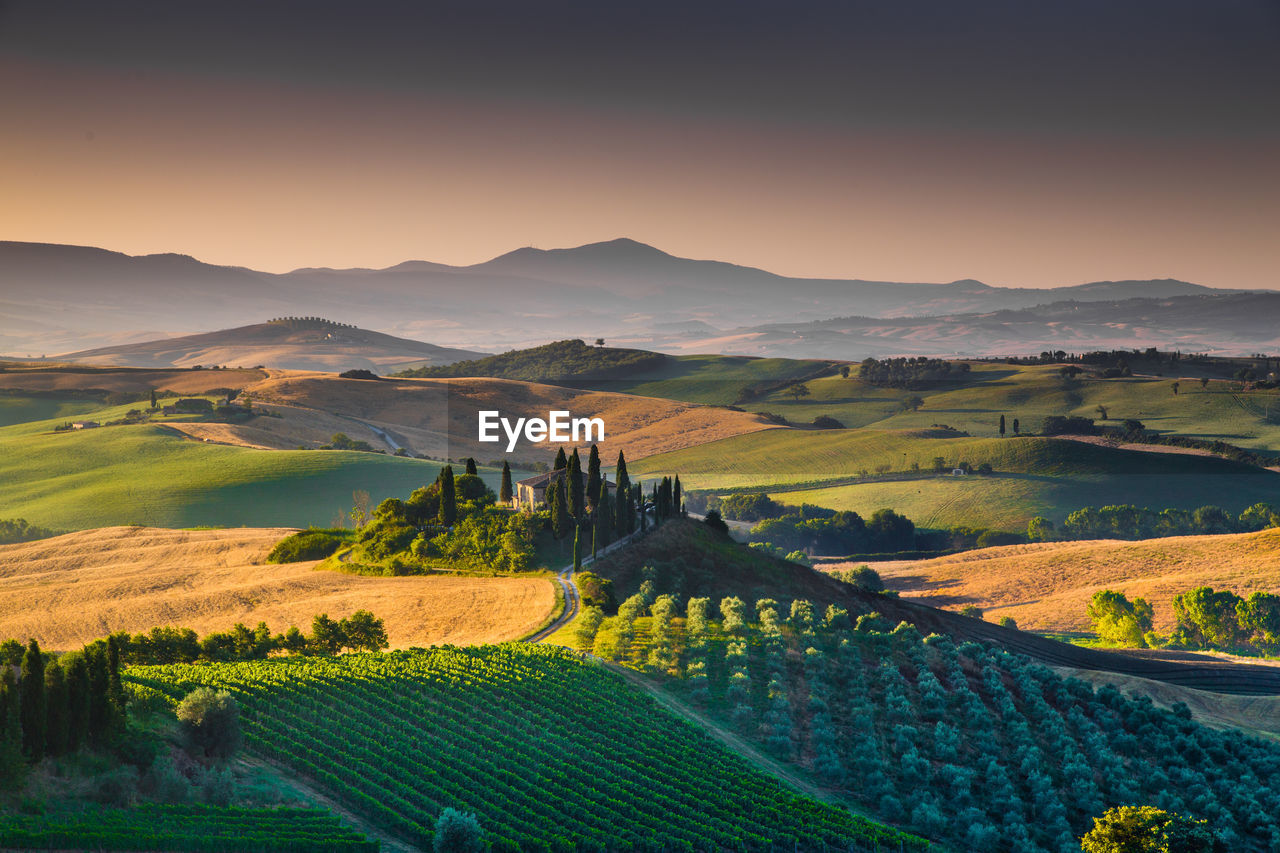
[577,545]
[327,636]
[1175,389]
[448,498]
[471,466]
[1002,426]
[1204,381]
[1015,426]
[211,723]
[457,832]
[32,696]
[798,390]
[599,342]
[561,460]
[154,403]
[1102,411]
[505,490]
[913,403]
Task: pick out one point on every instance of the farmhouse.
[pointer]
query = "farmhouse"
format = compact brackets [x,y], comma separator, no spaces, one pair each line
[532,493]
[83,424]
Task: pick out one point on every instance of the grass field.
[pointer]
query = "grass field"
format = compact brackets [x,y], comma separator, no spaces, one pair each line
[1030,393]
[72,589]
[19,409]
[713,379]
[1034,476]
[1046,586]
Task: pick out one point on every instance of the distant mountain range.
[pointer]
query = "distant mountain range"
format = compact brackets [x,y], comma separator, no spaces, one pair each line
[291,345]
[57,299]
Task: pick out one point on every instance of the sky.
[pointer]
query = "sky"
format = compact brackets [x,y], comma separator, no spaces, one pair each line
[1019,143]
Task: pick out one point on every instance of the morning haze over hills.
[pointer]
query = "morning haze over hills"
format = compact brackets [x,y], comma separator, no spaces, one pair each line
[70,299]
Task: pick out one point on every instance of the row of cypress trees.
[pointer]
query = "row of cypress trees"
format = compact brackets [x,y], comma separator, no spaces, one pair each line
[57,705]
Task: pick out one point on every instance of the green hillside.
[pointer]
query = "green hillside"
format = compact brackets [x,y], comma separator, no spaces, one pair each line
[1032,476]
[557,362]
[18,409]
[148,474]
[1220,410]
[714,379]
[551,752]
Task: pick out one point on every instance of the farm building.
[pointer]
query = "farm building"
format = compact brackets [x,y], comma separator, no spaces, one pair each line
[532,492]
[83,424]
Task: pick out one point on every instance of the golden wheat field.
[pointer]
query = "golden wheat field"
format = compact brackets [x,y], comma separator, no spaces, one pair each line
[75,588]
[1047,586]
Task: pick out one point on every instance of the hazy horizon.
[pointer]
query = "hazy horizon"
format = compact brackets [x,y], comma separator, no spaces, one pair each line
[1017,145]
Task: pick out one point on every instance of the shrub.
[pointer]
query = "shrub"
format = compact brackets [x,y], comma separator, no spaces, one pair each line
[309,544]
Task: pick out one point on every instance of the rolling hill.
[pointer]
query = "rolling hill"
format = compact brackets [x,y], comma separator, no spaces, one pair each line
[1046,586]
[290,345]
[1032,476]
[75,588]
[54,301]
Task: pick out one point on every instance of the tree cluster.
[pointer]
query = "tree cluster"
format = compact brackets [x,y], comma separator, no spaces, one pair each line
[1125,521]
[910,373]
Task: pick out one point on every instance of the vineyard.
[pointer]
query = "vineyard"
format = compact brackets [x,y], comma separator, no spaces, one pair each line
[186,828]
[969,745]
[549,751]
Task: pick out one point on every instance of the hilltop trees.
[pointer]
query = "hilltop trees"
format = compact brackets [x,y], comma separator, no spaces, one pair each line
[1146,829]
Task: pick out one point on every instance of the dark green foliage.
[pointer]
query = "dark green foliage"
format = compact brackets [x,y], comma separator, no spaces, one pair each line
[713,520]
[57,710]
[211,723]
[1117,620]
[577,493]
[1126,521]
[577,546]
[32,698]
[397,737]
[78,699]
[561,520]
[471,467]
[13,767]
[562,461]
[106,718]
[342,441]
[750,506]
[448,497]
[469,487]
[358,373]
[457,832]
[1061,425]
[310,544]
[1208,619]
[20,530]
[562,361]
[593,476]
[595,591]
[911,373]
[364,632]
[327,636]
[827,422]
[980,749]
[183,828]
[506,491]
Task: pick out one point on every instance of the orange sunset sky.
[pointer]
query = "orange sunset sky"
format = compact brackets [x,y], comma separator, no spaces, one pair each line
[1016,145]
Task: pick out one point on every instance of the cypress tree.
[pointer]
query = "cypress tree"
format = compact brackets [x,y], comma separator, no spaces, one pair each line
[620,474]
[32,698]
[505,490]
[57,717]
[606,517]
[622,517]
[560,519]
[471,466]
[597,535]
[12,766]
[100,709]
[593,476]
[639,501]
[115,688]
[577,502]
[677,503]
[561,461]
[77,678]
[577,546]
[448,498]
[1002,426]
